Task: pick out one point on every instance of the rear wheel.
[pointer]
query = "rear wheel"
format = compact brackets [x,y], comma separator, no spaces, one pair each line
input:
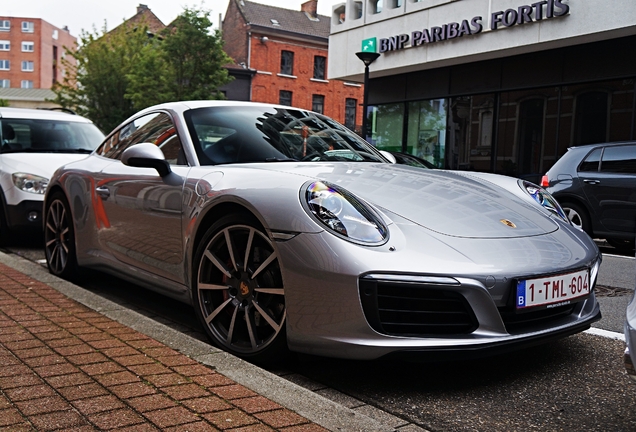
[238,290]
[578,216]
[59,238]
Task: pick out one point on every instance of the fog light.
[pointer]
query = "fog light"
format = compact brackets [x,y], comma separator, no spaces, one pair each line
[32,216]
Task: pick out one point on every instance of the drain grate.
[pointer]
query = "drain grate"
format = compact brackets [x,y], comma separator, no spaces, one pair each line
[605,291]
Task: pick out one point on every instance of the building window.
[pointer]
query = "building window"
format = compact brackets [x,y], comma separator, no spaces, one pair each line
[5,83]
[590,117]
[26,84]
[318,103]
[4,64]
[285,97]
[287,63]
[28,46]
[319,67]
[5,25]
[5,45]
[376,6]
[350,113]
[55,34]
[27,66]
[340,14]
[27,27]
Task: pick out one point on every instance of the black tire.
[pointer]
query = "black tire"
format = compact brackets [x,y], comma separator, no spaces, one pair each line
[238,290]
[578,216]
[59,238]
[5,235]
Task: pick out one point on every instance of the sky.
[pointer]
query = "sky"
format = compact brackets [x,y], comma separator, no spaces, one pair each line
[88,15]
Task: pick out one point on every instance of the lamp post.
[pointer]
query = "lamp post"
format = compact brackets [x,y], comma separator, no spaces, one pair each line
[367,58]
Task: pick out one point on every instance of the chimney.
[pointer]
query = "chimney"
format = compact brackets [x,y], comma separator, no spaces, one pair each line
[310,8]
[141,8]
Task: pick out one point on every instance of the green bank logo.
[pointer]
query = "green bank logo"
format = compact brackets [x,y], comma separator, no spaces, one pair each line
[370,45]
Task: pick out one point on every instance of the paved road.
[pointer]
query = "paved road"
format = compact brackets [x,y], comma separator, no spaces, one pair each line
[574,384]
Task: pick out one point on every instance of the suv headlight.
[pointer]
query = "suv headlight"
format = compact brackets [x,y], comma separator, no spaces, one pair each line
[544,199]
[30,183]
[344,214]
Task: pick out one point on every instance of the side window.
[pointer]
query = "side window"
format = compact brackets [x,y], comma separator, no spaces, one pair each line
[591,162]
[619,159]
[156,128]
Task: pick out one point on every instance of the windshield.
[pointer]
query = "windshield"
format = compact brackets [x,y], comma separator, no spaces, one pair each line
[46,136]
[241,134]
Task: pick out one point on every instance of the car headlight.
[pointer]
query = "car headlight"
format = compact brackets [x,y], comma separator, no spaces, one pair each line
[544,199]
[30,183]
[344,214]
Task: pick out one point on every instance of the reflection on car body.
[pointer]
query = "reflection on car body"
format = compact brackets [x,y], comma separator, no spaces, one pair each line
[285,230]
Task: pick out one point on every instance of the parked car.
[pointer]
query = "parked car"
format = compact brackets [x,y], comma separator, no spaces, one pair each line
[596,186]
[285,230]
[33,144]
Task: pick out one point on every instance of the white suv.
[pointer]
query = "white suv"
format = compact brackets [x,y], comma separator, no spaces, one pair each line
[34,143]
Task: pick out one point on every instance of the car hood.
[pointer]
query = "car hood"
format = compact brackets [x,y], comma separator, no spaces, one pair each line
[448,203]
[42,164]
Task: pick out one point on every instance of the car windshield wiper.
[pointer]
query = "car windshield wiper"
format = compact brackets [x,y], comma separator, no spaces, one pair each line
[280,160]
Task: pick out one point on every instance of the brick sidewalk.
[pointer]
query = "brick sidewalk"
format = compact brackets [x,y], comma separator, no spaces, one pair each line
[67,367]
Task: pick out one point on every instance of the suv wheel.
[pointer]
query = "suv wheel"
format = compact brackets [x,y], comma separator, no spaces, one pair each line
[578,216]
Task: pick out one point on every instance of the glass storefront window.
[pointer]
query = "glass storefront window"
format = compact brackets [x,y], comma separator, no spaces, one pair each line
[386,123]
[426,132]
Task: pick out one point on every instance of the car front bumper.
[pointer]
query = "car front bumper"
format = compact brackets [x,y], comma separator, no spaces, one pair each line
[325,280]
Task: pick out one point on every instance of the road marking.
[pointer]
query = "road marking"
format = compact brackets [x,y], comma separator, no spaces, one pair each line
[618,256]
[606,333]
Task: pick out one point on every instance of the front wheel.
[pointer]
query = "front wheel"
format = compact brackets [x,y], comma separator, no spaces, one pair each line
[238,290]
[578,216]
[59,238]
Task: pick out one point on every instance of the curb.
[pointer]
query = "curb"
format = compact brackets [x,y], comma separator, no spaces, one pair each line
[304,402]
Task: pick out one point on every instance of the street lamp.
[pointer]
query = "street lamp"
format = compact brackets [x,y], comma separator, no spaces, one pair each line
[367,58]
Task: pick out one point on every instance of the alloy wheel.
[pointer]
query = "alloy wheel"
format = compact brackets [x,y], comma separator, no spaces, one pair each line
[240,290]
[57,237]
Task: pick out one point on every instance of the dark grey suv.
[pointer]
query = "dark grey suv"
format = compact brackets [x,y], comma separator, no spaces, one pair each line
[596,186]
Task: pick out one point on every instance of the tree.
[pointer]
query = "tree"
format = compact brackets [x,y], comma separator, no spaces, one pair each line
[96,86]
[123,71]
[193,75]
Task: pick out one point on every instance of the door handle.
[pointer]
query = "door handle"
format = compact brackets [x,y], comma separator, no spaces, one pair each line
[103,192]
[592,182]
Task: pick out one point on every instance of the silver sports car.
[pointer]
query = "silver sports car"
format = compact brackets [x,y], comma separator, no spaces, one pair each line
[285,230]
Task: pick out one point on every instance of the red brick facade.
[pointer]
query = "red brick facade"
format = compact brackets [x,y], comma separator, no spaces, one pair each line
[48,44]
[260,48]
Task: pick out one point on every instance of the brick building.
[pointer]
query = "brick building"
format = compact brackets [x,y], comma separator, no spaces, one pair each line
[31,53]
[281,57]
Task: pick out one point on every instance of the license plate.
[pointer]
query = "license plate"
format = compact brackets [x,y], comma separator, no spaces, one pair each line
[553,291]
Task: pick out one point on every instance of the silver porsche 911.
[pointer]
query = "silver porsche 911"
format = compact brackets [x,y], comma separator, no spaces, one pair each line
[285,230]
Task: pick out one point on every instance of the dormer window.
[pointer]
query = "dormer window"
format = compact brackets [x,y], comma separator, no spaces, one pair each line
[275,22]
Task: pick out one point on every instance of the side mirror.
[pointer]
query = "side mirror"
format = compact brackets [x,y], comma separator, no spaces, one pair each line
[388,156]
[146,155]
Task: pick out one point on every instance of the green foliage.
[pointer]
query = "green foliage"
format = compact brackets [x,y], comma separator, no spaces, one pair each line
[193,75]
[121,72]
[4,103]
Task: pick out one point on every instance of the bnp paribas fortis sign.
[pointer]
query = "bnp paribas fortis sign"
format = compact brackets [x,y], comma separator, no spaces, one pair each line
[522,15]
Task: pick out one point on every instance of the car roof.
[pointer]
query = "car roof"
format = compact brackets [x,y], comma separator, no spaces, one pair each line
[40,114]
[607,144]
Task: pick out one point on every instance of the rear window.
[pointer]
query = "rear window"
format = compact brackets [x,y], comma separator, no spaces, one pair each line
[45,136]
[591,162]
